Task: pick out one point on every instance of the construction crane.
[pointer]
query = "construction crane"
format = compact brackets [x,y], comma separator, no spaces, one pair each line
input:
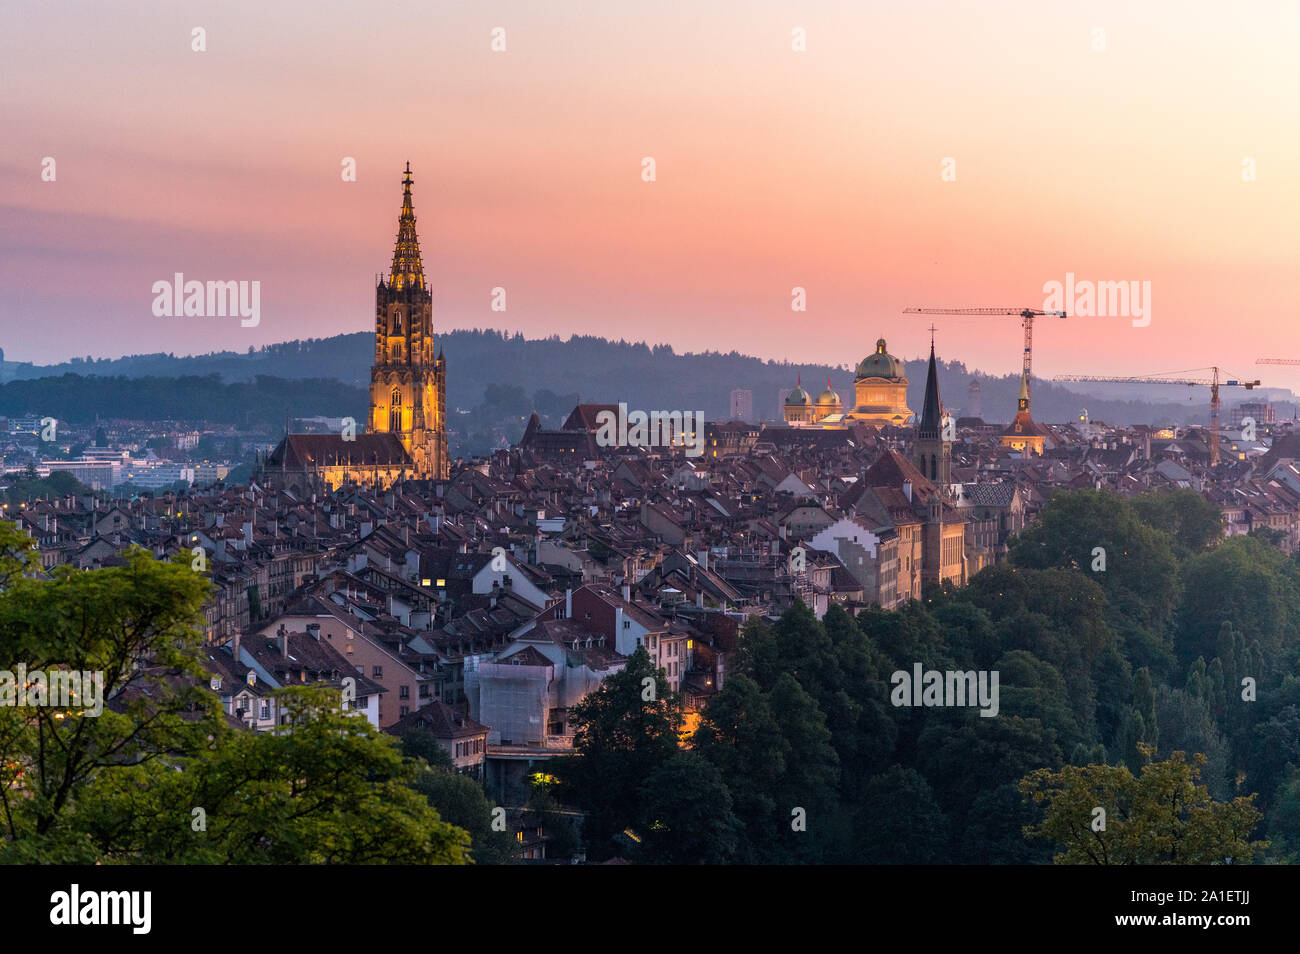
[1172,377]
[1026,316]
[1277,360]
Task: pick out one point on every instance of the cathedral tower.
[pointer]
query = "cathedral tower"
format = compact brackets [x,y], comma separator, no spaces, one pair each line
[932,453]
[408,383]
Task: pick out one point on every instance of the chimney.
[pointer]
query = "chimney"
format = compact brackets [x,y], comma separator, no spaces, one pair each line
[907,490]
[282,635]
[313,630]
[627,591]
[568,603]
[703,557]
[236,646]
[248,533]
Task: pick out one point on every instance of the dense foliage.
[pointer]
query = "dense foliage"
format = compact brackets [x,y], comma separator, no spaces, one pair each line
[1156,688]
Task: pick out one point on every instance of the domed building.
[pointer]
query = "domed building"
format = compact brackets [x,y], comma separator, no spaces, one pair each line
[799,405]
[828,404]
[880,390]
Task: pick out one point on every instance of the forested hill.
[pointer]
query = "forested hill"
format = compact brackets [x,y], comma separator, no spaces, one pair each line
[597,369]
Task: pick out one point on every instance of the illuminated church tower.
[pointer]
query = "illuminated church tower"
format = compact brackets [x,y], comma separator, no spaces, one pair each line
[408,383]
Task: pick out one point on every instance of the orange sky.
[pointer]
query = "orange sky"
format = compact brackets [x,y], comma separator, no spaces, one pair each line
[775,169]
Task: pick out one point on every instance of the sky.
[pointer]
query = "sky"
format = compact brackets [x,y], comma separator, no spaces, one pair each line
[1134,142]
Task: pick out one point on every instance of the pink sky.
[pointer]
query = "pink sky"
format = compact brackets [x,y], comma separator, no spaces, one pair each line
[775,169]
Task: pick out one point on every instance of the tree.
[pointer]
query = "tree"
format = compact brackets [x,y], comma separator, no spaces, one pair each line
[1162,816]
[740,736]
[460,801]
[101,622]
[1140,578]
[334,790]
[900,822]
[1243,581]
[1284,818]
[1193,523]
[1187,725]
[689,811]
[623,732]
[962,754]
[420,743]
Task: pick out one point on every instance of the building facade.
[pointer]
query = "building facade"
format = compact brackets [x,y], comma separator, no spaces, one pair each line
[406,434]
[408,381]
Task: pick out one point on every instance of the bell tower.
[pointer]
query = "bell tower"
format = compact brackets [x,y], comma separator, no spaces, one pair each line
[408,382]
[932,453]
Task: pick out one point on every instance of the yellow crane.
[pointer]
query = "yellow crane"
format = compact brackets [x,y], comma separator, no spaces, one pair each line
[1174,377]
[1026,316]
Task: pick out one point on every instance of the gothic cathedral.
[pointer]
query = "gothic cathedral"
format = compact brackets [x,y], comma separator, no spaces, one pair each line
[406,434]
[408,384]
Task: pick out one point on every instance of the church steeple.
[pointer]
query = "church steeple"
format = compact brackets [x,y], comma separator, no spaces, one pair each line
[1023,434]
[408,268]
[932,411]
[932,454]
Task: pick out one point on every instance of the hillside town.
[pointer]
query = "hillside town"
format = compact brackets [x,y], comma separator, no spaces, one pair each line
[480,601]
[481,608]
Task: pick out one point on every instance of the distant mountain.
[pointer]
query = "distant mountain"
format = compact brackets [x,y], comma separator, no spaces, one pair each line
[526,374]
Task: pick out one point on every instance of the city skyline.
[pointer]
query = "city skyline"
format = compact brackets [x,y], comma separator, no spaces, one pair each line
[815,169]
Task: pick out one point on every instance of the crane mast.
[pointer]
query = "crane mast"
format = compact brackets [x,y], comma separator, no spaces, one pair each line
[1026,316]
[1213,383]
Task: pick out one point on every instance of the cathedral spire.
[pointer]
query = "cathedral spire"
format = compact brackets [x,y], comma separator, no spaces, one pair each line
[408,268]
[932,410]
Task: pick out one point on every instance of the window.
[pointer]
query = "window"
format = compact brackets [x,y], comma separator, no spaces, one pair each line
[404,692]
[265,710]
[395,410]
[377,672]
[627,624]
